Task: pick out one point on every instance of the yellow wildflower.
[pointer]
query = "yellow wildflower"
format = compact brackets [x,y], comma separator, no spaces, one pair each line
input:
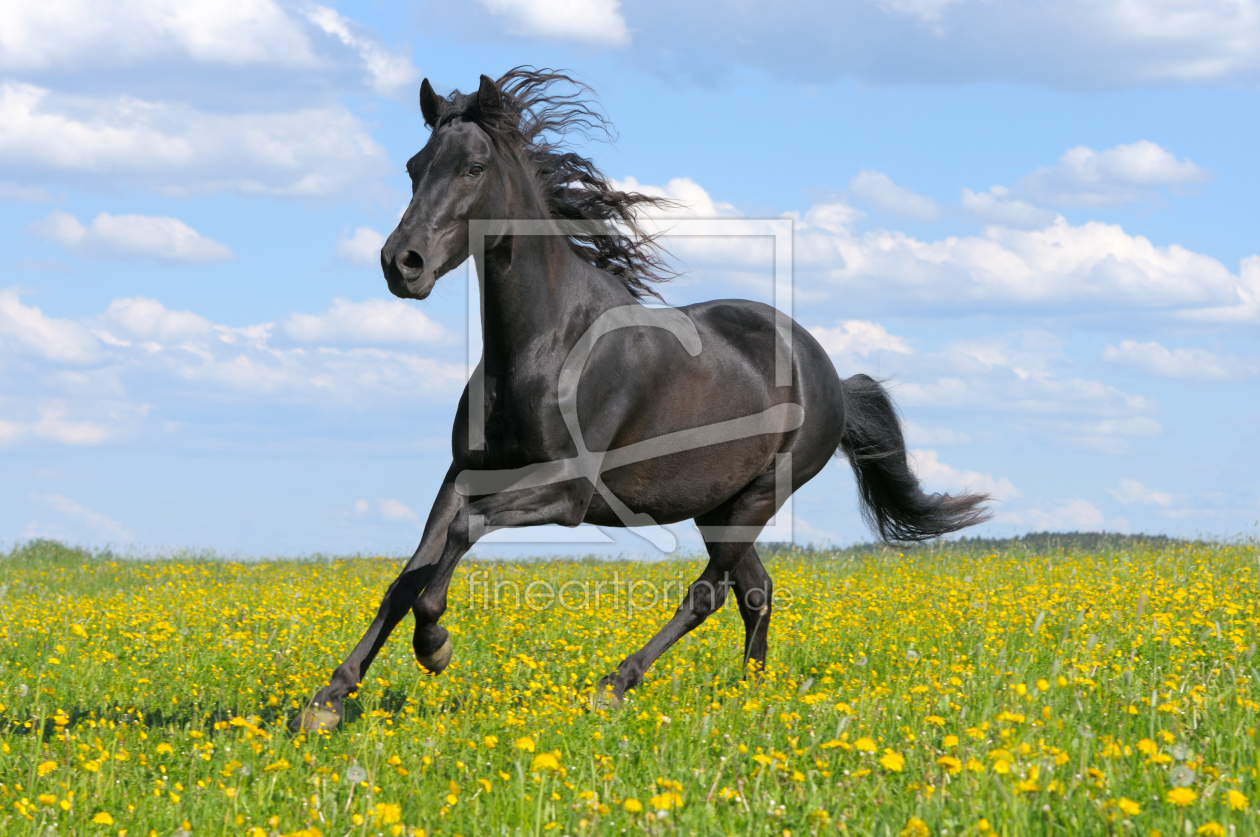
[892,761]
[1181,797]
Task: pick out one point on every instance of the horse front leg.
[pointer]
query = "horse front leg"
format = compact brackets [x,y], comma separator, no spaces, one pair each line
[325,709]
[564,503]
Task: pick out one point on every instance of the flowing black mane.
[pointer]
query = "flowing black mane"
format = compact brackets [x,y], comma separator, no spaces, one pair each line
[533,121]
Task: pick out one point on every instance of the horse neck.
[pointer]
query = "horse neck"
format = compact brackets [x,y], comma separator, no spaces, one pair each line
[535,287]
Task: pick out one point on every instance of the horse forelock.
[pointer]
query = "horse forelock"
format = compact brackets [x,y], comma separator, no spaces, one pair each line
[535,115]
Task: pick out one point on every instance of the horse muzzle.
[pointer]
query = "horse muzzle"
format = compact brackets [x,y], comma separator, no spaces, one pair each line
[407,274]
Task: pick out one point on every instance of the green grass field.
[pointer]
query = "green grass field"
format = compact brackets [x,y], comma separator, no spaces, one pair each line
[1034,687]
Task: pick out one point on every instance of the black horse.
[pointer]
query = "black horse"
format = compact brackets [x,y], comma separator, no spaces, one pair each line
[589,406]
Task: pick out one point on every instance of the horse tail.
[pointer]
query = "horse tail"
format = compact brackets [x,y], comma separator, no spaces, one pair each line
[892,501]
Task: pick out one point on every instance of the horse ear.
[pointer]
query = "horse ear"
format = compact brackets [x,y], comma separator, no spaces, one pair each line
[489,99]
[430,104]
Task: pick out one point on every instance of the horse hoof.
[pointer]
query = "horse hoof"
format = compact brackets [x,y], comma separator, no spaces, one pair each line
[606,700]
[319,719]
[605,696]
[439,659]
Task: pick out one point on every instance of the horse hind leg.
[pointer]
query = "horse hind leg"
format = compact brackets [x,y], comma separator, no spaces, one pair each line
[754,592]
[728,532]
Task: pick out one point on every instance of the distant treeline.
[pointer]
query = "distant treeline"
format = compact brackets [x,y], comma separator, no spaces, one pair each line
[1038,543]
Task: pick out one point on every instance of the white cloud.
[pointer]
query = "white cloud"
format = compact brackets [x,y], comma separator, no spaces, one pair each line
[131,236]
[147,360]
[1246,308]
[97,524]
[937,476]
[1132,426]
[395,510]
[388,73]
[690,199]
[595,21]
[1025,381]
[878,191]
[1131,492]
[368,322]
[997,207]
[339,367]
[28,328]
[927,11]
[916,434]
[1109,435]
[363,246]
[53,426]
[389,510]
[859,337]
[149,319]
[1090,265]
[65,33]
[1076,267]
[17,192]
[1102,44]
[1040,394]
[1190,364]
[174,148]
[1073,514]
[1123,174]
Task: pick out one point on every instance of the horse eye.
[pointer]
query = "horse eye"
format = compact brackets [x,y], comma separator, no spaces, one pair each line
[476,169]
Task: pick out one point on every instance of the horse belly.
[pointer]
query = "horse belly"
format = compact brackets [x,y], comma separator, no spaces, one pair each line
[680,486]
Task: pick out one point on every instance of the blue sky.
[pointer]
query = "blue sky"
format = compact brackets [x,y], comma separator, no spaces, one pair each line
[1035,219]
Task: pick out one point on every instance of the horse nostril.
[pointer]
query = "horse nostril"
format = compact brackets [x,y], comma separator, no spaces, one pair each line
[411,263]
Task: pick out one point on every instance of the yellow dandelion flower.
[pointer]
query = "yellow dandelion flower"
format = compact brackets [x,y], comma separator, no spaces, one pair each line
[525,743]
[1237,800]
[667,800]
[864,745]
[1128,807]
[915,828]
[103,818]
[632,805]
[1181,797]
[892,761]
[545,761]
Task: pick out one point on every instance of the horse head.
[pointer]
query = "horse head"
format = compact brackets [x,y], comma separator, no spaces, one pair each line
[461,173]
